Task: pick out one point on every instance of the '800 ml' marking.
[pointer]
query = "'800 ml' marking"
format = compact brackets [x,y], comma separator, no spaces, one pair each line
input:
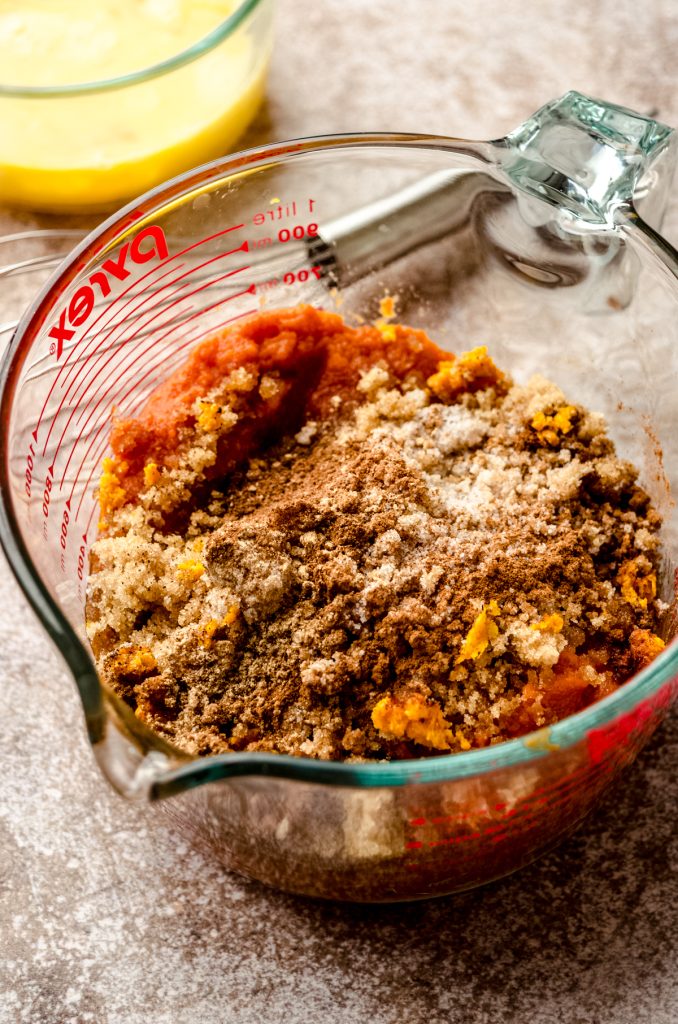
[47,493]
[30,464]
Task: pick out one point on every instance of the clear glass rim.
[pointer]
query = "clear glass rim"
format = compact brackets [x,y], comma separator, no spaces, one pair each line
[186,56]
[195,772]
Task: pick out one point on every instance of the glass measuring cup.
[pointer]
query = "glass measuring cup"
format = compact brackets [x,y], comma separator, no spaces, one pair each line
[533,244]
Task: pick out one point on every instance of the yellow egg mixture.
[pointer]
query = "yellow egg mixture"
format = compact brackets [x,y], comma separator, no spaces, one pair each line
[94,149]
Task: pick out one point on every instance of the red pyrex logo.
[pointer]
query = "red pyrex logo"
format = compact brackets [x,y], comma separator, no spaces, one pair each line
[147,245]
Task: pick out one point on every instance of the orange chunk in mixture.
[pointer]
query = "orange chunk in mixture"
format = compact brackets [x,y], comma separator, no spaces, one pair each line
[645,646]
[637,585]
[211,627]
[413,719]
[135,661]
[551,427]
[387,331]
[269,387]
[483,631]
[231,615]
[387,307]
[208,631]
[112,494]
[209,417]
[549,624]
[387,310]
[151,474]
[191,569]
[471,371]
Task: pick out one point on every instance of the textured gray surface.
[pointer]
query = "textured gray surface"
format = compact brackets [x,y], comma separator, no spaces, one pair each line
[104,918]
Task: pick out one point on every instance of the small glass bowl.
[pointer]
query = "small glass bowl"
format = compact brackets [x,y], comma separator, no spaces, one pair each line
[87,147]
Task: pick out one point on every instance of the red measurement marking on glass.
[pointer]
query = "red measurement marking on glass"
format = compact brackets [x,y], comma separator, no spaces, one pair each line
[156,291]
[92,406]
[85,358]
[541,796]
[68,380]
[150,305]
[89,521]
[566,781]
[124,341]
[134,405]
[74,410]
[516,820]
[461,816]
[125,368]
[452,840]
[451,819]
[186,340]
[125,291]
[158,266]
[447,818]
[498,833]
[251,290]
[129,411]
[69,277]
[74,366]
[524,825]
[105,357]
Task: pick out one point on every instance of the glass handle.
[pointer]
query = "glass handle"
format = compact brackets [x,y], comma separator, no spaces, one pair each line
[385,230]
[592,160]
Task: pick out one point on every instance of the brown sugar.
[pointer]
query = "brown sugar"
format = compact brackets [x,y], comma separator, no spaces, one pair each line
[430,558]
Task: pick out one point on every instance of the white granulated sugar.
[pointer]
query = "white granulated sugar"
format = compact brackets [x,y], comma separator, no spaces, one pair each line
[318,671]
[307,433]
[563,482]
[644,539]
[535,647]
[460,427]
[373,380]
[428,581]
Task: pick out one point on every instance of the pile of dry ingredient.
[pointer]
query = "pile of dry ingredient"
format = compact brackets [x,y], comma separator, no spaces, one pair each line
[345,543]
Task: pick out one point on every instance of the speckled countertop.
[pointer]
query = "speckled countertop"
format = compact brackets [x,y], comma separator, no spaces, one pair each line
[103,918]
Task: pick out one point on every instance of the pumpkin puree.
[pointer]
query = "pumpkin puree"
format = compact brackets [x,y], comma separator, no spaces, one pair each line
[311,354]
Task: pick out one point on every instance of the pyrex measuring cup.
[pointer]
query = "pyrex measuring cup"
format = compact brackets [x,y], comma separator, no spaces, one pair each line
[532,244]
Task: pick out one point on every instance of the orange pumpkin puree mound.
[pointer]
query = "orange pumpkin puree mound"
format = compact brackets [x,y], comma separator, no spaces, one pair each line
[313,354]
